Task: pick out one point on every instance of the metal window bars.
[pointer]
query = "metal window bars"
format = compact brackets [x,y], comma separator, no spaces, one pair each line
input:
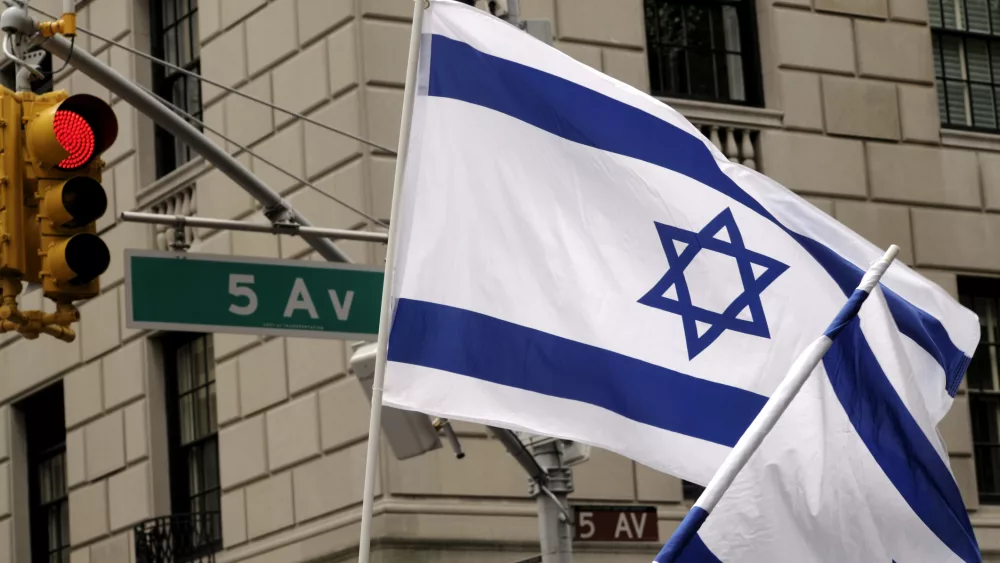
[179,538]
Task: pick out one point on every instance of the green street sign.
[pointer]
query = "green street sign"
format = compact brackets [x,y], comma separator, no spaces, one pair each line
[213,293]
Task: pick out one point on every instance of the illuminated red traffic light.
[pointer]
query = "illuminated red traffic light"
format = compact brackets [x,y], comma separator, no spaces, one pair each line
[76,136]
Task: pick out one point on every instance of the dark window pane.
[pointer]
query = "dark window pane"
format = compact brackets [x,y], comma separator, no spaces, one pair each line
[211,452]
[966,65]
[193,96]
[702,75]
[956,94]
[169,12]
[951,53]
[691,491]
[199,361]
[983,112]
[184,376]
[978,14]
[174,33]
[187,419]
[938,66]
[194,479]
[934,10]
[213,423]
[951,13]
[698,27]
[212,502]
[196,470]
[185,50]
[982,296]
[699,49]
[977,60]
[942,102]
[201,413]
[193,34]
[45,433]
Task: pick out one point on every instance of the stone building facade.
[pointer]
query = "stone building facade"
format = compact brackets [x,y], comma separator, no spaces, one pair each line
[881,112]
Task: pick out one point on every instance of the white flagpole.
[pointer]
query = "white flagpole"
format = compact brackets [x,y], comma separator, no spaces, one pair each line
[375,424]
[768,416]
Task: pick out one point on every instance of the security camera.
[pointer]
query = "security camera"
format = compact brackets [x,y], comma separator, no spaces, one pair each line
[15,19]
[410,433]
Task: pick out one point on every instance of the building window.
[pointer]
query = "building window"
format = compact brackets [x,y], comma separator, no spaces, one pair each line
[704,50]
[982,295]
[691,491]
[193,432]
[48,508]
[174,37]
[966,40]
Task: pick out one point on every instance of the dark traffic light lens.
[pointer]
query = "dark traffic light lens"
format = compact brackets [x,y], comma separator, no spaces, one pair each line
[87,256]
[84,199]
[76,136]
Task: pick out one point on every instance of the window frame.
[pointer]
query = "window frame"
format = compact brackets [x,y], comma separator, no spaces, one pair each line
[939,33]
[45,422]
[970,288]
[749,54]
[170,152]
[181,496]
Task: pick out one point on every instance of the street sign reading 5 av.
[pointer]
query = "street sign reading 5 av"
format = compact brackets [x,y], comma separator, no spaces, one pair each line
[616,523]
[213,293]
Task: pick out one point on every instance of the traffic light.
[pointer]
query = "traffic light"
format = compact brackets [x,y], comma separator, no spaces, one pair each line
[64,137]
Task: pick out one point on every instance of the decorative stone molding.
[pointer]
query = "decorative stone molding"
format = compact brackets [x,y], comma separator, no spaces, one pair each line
[732,129]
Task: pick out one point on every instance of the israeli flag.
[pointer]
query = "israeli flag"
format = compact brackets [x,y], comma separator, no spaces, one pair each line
[575,259]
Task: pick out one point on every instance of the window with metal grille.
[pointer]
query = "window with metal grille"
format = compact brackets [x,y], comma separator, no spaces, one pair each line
[966,40]
[174,38]
[45,428]
[982,295]
[193,433]
[704,50]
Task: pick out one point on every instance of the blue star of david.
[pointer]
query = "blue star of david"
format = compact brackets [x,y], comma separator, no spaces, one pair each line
[713,237]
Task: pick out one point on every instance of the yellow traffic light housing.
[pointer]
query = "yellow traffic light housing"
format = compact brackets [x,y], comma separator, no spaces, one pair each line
[50,198]
[69,133]
[64,137]
[13,248]
[75,259]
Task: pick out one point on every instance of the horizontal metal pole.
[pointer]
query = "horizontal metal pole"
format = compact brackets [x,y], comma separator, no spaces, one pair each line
[520,453]
[180,221]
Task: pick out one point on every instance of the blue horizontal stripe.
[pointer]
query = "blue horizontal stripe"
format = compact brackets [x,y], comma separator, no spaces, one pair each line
[897,443]
[579,114]
[489,349]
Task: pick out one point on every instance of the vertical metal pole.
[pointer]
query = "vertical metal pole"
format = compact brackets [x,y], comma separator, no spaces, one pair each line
[555,529]
[375,424]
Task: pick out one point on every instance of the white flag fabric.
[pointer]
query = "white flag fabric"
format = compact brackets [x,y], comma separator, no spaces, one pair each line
[575,259]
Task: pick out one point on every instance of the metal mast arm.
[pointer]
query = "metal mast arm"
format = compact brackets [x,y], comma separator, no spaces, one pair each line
[276,209]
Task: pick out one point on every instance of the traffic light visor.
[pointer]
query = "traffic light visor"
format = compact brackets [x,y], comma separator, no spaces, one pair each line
[71,134]
[79,259]
[76,202]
